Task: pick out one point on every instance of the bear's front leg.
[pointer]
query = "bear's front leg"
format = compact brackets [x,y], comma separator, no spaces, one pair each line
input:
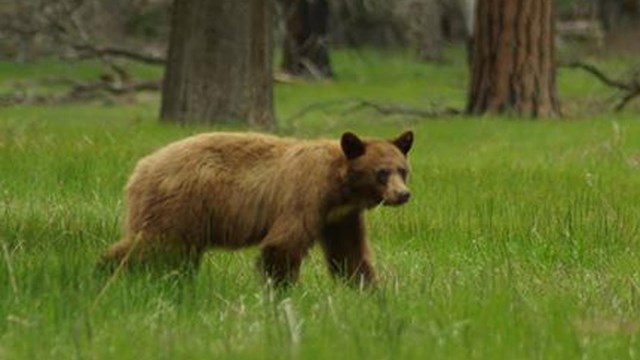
[347,251]
[282,252]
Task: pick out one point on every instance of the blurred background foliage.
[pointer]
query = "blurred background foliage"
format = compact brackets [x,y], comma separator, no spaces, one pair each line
[33,28]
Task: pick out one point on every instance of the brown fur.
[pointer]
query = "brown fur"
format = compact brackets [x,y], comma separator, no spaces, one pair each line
[233,190]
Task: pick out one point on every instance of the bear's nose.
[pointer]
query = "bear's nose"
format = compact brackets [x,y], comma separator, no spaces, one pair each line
[403,197]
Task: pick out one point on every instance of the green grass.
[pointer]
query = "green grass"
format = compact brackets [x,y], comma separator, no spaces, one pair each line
[521,239]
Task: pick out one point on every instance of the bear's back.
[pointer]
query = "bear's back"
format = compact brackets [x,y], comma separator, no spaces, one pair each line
[235,150]
[242,181]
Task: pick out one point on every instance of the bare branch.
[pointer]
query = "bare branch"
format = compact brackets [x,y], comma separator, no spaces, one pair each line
[63,21]
[80,92]
[383,109]
[121,53]
[597,73]
[626,99]
[629,89]
[113,88]
[398,109]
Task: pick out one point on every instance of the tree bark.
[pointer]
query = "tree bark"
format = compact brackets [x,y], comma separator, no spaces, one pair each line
[261,63]
[305,50]
[219,63]
[513,68]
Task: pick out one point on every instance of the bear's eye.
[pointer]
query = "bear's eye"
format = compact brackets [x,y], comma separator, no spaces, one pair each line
[403,173]
[382,176]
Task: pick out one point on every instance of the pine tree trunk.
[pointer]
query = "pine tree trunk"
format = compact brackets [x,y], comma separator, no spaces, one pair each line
[261,65]
[513,66]
[305,50]
[219,63]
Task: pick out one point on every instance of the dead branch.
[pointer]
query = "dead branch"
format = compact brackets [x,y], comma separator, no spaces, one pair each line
[629,89]
[95,51]
[399,109]
[381,108]
[63,21]
[80,92]
[626,99]
[113,89]
[66,24]
[597,73]
[21,98]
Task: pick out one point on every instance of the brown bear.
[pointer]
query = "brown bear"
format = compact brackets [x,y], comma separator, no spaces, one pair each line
[232,190]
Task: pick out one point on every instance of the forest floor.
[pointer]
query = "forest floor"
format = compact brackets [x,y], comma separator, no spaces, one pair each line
[522,238]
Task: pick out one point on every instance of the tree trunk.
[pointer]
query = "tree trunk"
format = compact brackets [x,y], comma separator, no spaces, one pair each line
[513,66]
[219,63]
[431,25]
[469,11]
[305,50]
[615,14]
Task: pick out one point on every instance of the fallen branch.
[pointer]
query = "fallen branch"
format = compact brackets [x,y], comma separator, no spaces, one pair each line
[63,21]
[79,92]
[399,109]
[68,27]
[597,73]
[115,89]
[95,51]
[381,108]
[22,98]
[629,89]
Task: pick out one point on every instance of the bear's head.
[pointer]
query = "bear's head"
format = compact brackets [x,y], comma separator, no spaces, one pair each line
[377,169]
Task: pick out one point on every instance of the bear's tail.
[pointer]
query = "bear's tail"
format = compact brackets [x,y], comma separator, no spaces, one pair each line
[115,257]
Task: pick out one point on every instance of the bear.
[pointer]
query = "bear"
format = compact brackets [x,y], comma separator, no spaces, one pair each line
[234,190]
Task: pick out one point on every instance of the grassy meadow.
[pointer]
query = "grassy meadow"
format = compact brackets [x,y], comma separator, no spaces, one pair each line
[521,241]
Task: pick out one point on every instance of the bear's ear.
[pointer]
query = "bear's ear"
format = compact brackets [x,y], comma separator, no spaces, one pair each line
[404,141]
[352,146]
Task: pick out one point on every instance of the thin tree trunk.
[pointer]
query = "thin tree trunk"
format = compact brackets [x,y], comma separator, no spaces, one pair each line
[431,42]
[305,50]
[615,14]
[513,66]
[219,63]
[261,79]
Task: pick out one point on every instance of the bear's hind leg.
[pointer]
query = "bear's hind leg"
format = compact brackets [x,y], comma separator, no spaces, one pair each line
[166,255]
[282,252]
[281,266]
[159,255]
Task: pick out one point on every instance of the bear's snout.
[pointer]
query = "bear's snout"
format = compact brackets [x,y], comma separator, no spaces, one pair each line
[398,198]
[403,197]
[396,192]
